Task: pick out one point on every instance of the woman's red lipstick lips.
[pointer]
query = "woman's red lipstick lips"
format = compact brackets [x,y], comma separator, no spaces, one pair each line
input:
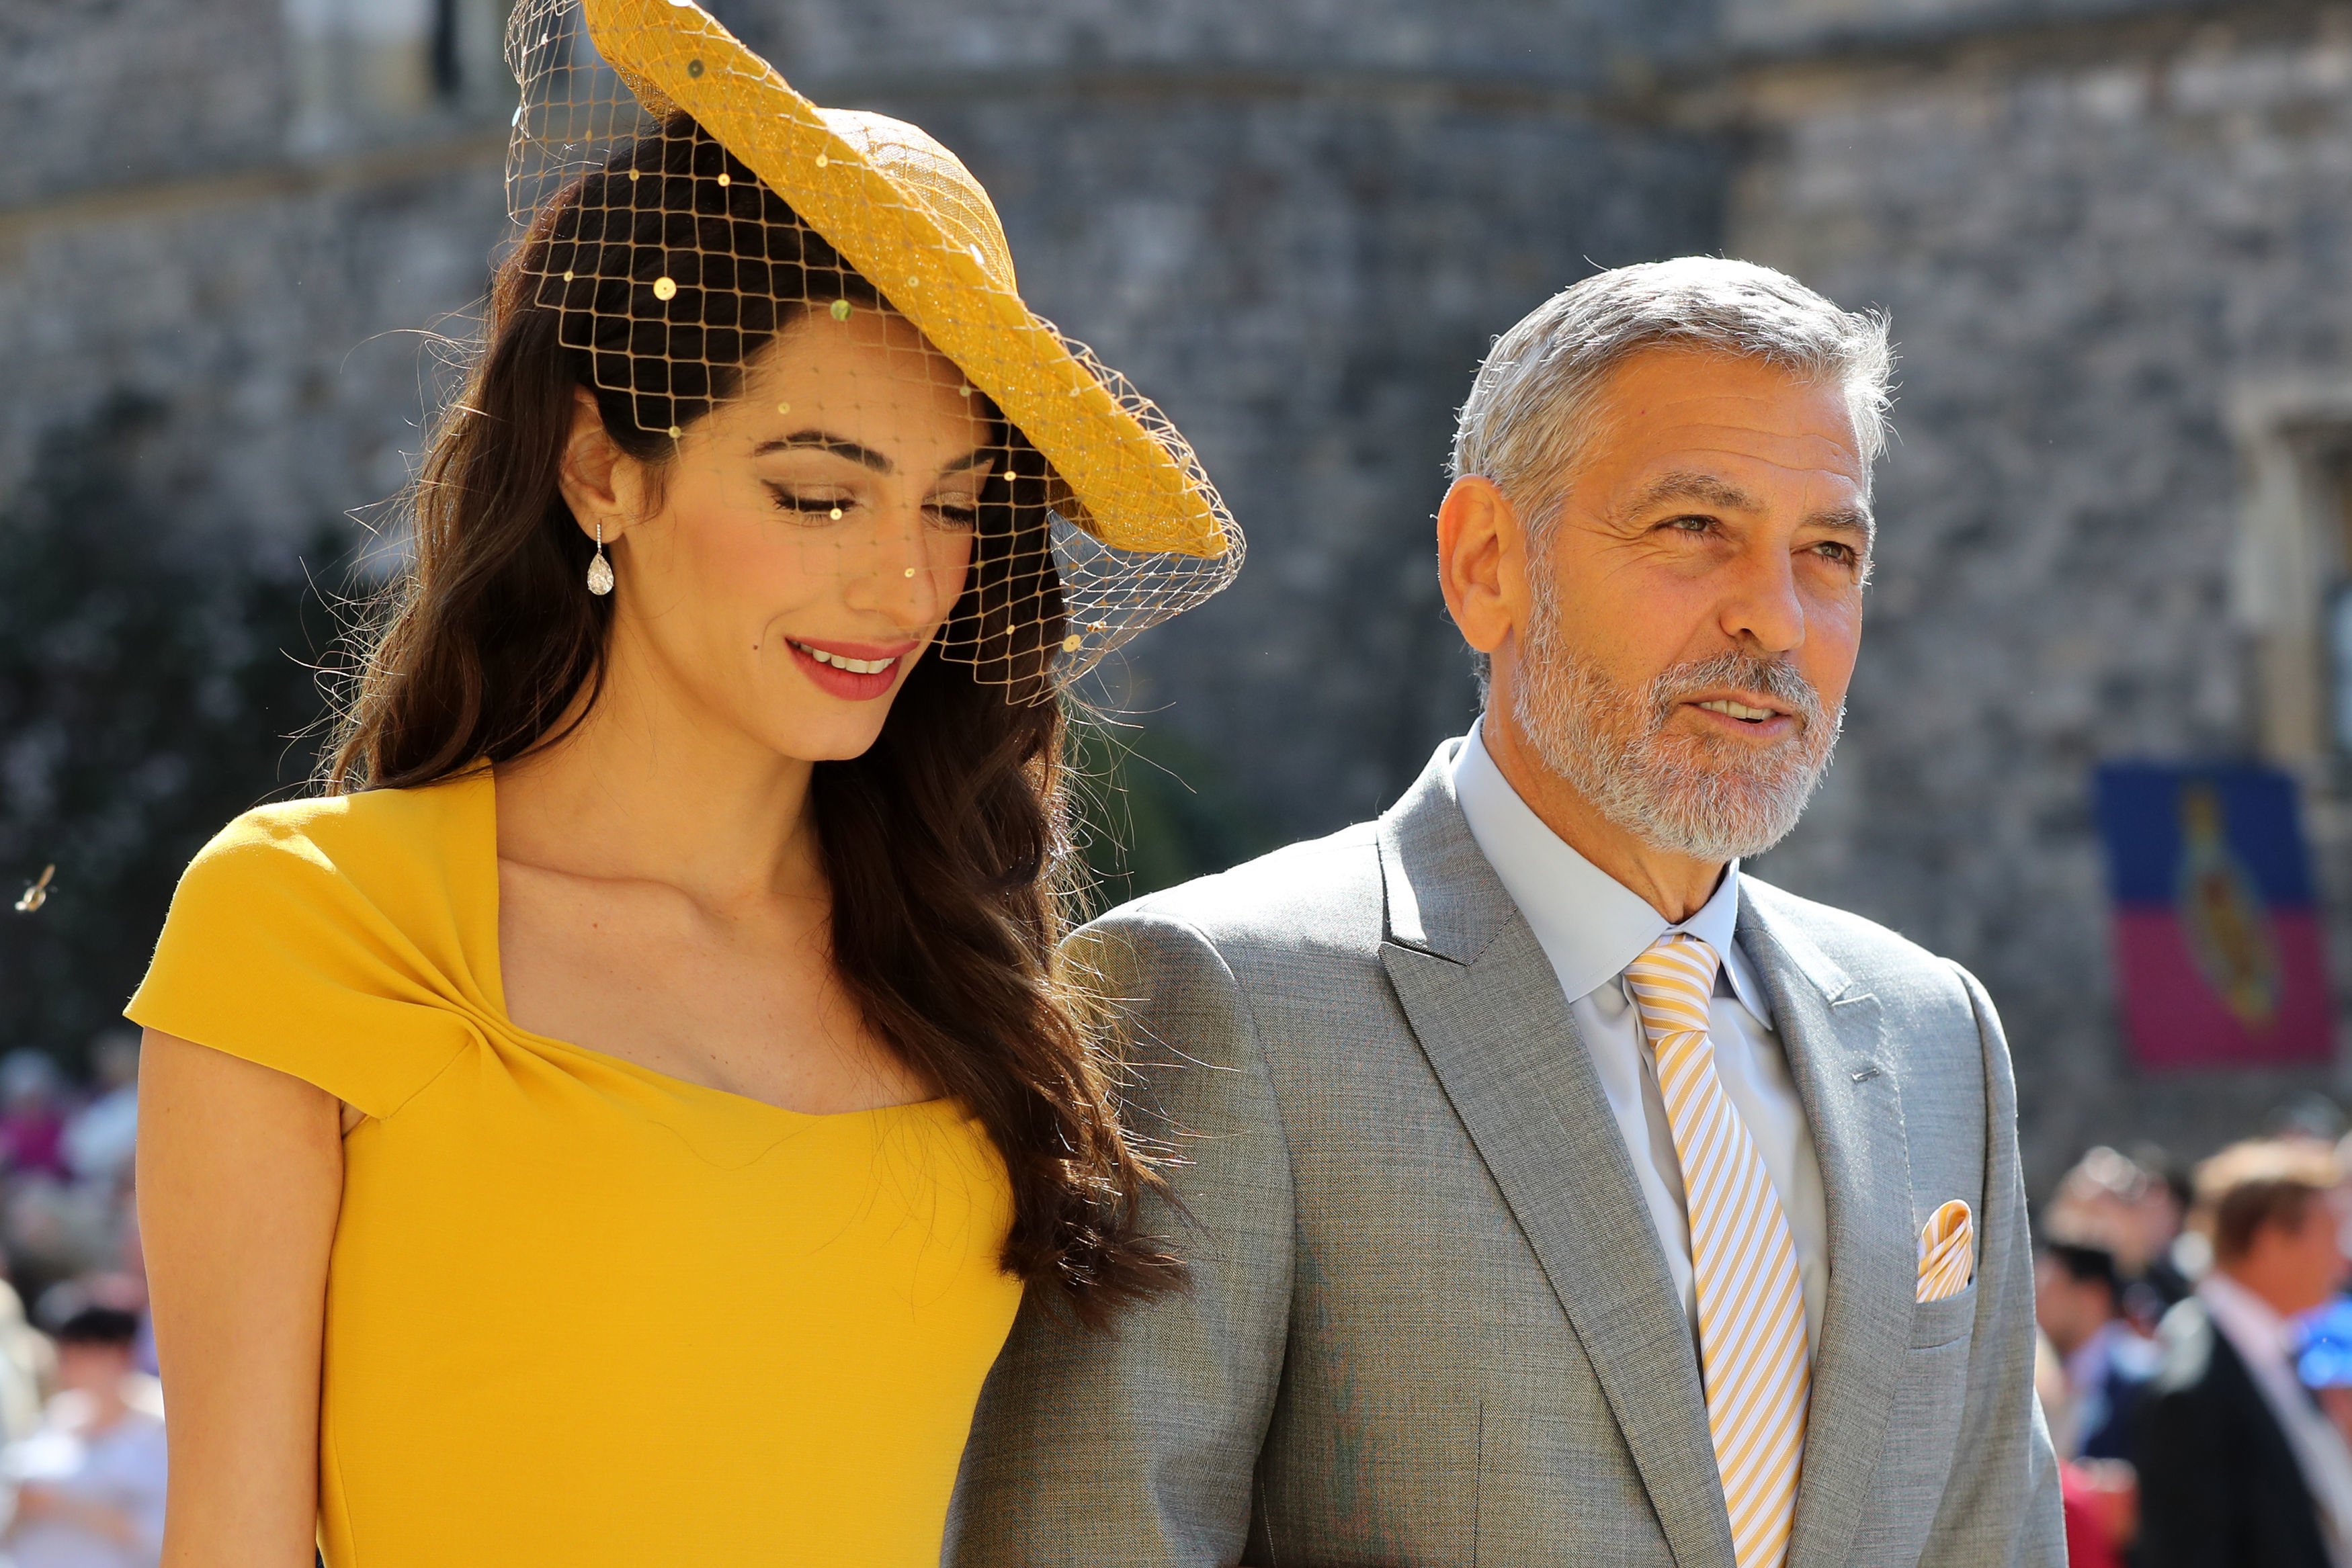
[851,686]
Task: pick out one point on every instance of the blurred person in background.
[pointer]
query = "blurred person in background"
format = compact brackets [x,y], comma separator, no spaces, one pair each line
[2099,1497]
[28,1368]
[99,1138]
[2185,1258]
[122,1289]
[2100,1518]
[55,1226]
[2238,1466]
[672,952]
[32,1115]
[100,1141]
[2110,1200]
[90,1483]
[2078,1302]
[59,1233]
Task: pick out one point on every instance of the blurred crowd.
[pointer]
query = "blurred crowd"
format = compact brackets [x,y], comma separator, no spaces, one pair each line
[2196,1366]
[81,1412]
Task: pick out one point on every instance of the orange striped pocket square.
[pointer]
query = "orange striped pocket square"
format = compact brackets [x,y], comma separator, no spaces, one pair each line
[1947,1252]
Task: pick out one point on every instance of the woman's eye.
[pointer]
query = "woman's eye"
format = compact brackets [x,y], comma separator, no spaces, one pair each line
[824,504]
[958,512]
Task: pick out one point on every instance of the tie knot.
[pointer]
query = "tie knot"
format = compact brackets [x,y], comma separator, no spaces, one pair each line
[1672,984]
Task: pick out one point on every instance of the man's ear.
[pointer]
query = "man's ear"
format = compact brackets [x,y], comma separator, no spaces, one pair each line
[602,485]
[1482,562]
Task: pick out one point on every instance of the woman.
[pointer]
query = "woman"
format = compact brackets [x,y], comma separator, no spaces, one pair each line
[615,1124]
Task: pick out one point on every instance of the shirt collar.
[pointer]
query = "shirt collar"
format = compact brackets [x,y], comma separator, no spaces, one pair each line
[1590,924]
[2246,1318]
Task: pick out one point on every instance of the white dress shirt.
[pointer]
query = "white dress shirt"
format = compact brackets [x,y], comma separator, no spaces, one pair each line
[2265,1343]
[1592,926]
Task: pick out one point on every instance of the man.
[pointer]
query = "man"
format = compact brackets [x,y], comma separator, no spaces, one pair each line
[2113,1201]
[2239,1468]
[2078,1302]
[1553,1194]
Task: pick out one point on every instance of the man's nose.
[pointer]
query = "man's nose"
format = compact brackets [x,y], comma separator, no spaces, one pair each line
[1764,607]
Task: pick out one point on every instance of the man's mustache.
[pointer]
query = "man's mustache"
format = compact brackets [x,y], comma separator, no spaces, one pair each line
[1775,678]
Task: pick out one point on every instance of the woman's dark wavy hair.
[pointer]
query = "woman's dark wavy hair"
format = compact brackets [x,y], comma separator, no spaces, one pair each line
[945,844]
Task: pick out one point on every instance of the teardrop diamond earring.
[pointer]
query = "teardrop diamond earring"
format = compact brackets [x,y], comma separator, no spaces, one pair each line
[600,570]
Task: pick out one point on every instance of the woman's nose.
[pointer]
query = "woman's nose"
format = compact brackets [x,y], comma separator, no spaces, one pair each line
[900,577]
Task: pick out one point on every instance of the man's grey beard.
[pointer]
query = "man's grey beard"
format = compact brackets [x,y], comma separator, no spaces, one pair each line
[1705,796]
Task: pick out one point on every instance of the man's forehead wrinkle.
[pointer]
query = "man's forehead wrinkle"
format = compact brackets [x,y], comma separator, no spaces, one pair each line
[1742,424]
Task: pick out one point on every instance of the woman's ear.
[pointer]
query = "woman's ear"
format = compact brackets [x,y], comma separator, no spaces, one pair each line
[604,485]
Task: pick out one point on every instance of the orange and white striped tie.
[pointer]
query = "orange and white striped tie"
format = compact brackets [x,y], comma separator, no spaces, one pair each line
[1751,1307]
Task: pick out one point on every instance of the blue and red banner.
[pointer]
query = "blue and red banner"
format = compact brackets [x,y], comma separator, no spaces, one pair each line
[2219,956]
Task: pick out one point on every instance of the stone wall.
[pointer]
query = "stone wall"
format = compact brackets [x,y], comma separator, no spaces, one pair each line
[1796,29]
[277,315]
[973,43]
[108,91]
[165,236]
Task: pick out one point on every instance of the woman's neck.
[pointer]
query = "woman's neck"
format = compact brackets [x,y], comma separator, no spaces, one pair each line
[647,789]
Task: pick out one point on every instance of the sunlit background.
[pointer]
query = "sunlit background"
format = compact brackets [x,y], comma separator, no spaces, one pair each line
[2115,239]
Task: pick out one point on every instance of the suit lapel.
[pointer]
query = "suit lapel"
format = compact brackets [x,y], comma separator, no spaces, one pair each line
[1486,1007]
[1847,1077]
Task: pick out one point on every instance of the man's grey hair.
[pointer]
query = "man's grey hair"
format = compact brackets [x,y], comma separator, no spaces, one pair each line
[1531,410]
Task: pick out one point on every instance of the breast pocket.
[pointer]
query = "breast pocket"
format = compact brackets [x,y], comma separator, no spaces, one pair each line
[1934,1323]
[1923,1430]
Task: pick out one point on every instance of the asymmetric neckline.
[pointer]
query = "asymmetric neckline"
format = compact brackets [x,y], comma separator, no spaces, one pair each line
[484,779]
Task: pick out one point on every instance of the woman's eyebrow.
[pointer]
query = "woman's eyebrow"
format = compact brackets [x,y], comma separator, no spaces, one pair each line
[863,455]
[836,445]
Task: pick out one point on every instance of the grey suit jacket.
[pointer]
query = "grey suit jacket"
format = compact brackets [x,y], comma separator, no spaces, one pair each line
[1430,1320]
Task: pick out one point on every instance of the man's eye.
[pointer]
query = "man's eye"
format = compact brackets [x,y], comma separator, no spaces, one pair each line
[1692,524]
[1830,549]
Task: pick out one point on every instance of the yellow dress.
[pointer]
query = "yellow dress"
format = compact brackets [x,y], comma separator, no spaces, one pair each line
[580,1312]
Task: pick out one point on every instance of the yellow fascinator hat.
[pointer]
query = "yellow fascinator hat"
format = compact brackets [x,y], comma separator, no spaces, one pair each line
[1136,529]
